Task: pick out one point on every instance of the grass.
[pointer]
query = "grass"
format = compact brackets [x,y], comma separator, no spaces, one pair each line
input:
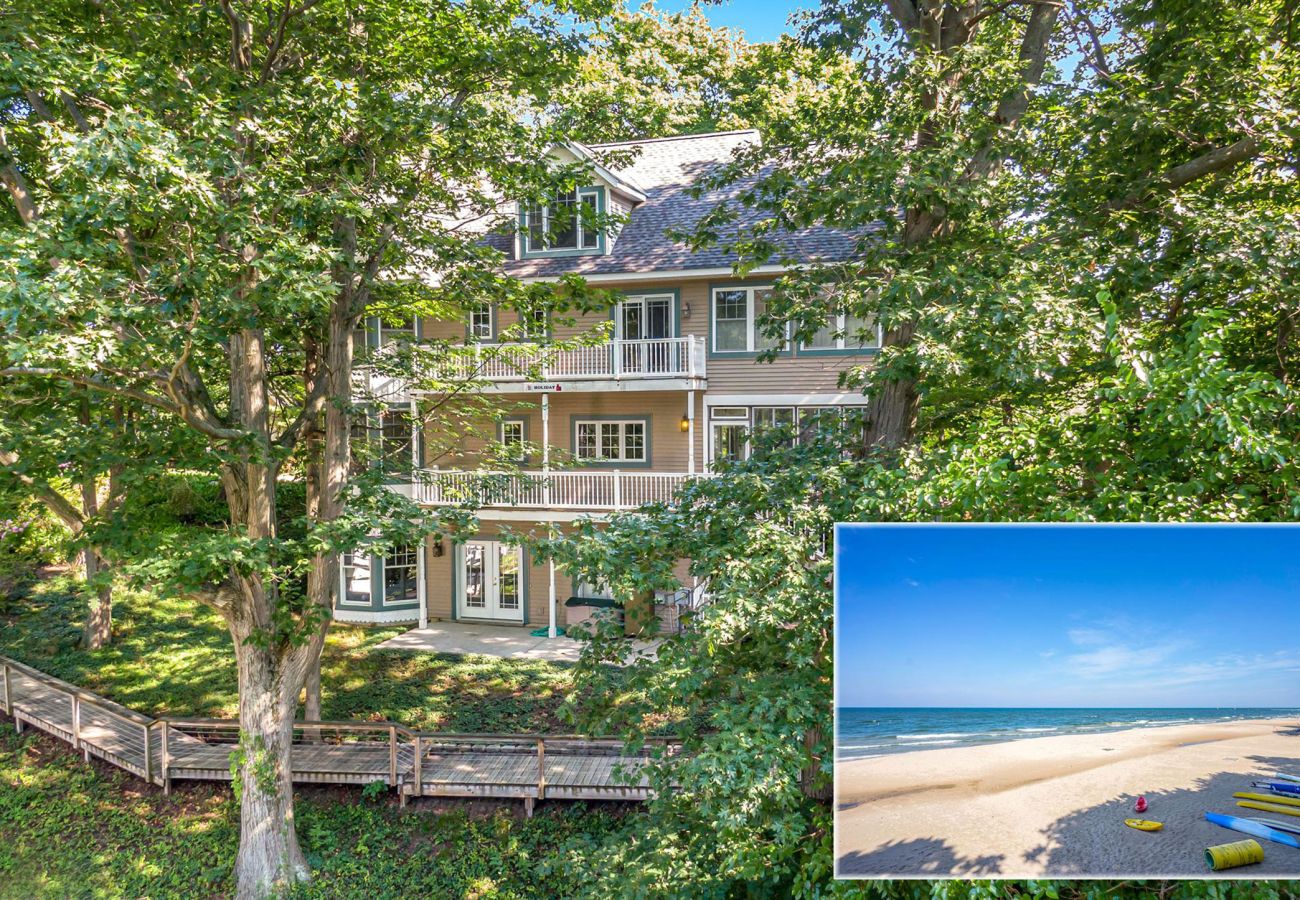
[72,830]
[68,829]
[172,656]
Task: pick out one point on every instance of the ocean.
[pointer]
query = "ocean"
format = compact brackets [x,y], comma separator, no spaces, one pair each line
[873,732]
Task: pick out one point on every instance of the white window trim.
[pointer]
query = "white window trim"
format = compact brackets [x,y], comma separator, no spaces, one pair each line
[415,577]
[343,581]
[491,323]
[641,299]
[622,440]
[522,422]
[841,341]
[527,236]
[750,290]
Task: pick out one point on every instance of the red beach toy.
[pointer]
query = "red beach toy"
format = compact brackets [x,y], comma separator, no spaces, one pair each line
[1141,805]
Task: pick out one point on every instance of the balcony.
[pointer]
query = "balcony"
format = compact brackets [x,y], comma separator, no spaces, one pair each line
[582,490]
[663,364]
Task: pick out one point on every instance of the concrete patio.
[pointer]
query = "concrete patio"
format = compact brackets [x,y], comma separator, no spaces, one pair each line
[502,641]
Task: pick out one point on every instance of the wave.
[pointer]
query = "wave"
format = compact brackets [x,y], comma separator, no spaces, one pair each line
[1035,729]
[937,734]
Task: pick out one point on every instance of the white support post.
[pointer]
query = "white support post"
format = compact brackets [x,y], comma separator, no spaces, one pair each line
[618,489]
[421,586]
[690,432]
[546,449]
[550,630]
[617,347]
[9,692]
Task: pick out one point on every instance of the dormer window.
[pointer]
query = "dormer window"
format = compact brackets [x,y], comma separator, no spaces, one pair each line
[566,226]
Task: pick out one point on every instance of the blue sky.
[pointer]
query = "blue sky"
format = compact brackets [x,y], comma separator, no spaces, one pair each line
[1057,615]
[761,20]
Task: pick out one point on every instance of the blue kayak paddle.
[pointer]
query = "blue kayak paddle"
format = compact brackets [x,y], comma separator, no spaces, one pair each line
[1251,827]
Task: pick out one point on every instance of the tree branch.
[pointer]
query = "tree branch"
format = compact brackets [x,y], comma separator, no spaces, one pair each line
[1216,160]
[16,184]
[53,500]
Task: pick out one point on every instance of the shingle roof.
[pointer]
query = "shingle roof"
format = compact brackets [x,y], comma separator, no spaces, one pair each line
[664,169]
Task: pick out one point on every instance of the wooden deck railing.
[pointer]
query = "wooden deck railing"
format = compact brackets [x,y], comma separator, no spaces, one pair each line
[582,489]
[417,764]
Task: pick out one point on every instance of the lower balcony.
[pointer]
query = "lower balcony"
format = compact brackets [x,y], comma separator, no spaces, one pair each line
[581,490]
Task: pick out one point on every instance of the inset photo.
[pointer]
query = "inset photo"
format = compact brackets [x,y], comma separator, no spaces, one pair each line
[1067,701]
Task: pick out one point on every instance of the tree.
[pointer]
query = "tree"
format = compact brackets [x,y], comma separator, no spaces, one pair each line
[199,230]
[1086,277]
[652,74]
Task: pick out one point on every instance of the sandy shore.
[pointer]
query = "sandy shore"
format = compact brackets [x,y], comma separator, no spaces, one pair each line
[1056,805]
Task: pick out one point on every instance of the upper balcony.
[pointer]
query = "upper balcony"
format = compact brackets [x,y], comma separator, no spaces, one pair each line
[582,490]
[660,364]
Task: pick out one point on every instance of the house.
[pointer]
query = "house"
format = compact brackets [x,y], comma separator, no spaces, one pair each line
[620,424]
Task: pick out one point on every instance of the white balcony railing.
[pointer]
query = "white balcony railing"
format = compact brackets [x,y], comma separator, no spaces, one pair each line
[584,489]
[682,357]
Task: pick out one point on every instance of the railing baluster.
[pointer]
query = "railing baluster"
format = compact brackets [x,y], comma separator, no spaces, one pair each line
[76,722]
[419,767]
[392,756]
[166,759]
[9,693]
[541,768]
[148,751]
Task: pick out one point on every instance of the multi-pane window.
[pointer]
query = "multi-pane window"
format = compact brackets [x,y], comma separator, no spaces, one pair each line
[845,332]
[730,426]
[396,441]
[772,417]
[567,223]
[400,573]
[736,320]
[512,439]
[533,324]
[480,322]
[397,332]
[356,579]
[623,441]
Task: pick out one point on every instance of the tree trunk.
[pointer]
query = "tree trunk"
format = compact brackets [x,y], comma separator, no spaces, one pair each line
[99,620]
[269,857]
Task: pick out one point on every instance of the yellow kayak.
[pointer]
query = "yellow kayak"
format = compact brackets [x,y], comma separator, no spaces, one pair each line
[1144,825]
[1267,798]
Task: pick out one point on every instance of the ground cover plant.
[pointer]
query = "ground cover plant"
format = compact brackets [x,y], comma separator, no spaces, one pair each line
[172,657]
[72,830]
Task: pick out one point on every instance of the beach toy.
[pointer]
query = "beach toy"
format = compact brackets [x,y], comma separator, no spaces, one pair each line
[1267,798]
[1230,856]
[1283,777]
[1141,805]
[1248,826]
[1269,807]
[1144,825]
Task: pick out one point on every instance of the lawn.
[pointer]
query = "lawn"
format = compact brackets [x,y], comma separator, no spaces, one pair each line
[72,830]
[172,656]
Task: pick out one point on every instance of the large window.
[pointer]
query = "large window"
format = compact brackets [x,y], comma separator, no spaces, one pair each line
[737,430]
[397,332]
[845,332]
[400,573]
[736,315]
[567,223]
[770,418]
[397,441]
[621,441]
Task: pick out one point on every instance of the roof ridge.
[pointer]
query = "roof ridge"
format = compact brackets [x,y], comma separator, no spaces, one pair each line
[677,137]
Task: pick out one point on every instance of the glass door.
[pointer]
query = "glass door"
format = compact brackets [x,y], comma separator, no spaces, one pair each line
[644,324]
[492,582]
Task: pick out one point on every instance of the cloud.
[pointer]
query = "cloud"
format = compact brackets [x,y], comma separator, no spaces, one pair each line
[1087,637]
[911,582]
[1047,654]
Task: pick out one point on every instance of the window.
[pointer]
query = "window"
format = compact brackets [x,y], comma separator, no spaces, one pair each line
[769,417]
[533,324]
[400,572]
[730,426]
[845,332]
[567,223]
[480,323]
[736,315]
[511,434]
[611,441]
[356,579]
[403,332]
[816,420]
[396,441]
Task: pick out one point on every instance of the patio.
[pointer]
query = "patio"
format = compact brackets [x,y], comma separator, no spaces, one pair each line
[504,641]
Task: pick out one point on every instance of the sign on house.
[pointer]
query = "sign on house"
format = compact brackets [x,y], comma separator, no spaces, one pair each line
[545,387]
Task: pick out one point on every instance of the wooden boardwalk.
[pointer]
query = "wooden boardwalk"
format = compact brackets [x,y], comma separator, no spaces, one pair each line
[417,764]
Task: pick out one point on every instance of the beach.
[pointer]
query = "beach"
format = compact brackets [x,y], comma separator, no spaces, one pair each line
[1056,805]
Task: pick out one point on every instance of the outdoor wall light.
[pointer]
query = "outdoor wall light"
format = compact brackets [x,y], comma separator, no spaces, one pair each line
[435,549]
[685,424]
[686,310]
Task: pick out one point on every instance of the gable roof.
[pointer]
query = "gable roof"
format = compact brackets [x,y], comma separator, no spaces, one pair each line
[663,170]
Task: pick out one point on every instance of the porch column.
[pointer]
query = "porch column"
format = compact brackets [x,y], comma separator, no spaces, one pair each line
[421,593]
[550,629]
[690,432]
[546,460]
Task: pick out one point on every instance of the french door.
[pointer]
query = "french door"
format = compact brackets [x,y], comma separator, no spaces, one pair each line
[643,324]
[491,582]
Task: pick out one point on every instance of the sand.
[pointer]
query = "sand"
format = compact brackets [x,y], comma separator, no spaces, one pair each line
[1055,806]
